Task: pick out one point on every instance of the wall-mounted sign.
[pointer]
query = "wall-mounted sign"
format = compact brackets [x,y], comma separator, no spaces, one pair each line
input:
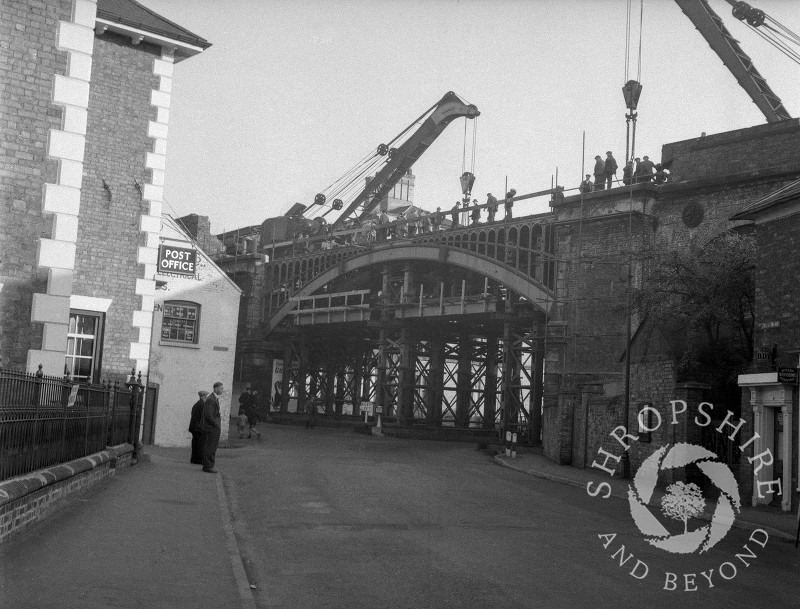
[178,260]
[787,375]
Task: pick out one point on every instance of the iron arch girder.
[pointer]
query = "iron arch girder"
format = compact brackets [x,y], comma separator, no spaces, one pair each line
[513,279]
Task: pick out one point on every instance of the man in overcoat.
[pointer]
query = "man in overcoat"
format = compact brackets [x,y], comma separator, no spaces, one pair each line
[212,426]
[610,167]
[195,428]
[599,173]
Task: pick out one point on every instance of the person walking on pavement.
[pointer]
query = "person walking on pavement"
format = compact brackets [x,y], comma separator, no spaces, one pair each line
[212,426]
[251,410]
[610,169]
[311,413]
[599,173]
[491,206]
[195,429]
[241,423]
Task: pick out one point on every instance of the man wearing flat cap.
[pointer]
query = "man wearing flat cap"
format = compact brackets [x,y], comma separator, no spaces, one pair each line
[599,173]
[196,430]
[211,424]
[610,167]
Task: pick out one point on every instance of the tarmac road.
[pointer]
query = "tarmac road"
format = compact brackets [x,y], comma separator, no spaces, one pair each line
[332,519]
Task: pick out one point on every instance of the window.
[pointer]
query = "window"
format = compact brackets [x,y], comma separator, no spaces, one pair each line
[180,322]
[84,342]
[645,422]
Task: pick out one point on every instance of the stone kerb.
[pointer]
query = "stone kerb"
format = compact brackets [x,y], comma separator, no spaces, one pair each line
[32,497]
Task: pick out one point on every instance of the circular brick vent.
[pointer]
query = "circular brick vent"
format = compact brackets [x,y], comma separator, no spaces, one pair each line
[693,215]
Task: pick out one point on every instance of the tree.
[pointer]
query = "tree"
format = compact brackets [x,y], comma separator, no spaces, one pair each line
[706,290]
[683,501]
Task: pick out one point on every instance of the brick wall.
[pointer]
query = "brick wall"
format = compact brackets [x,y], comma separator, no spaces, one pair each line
[777,315]
[199,227]
[26,500]
[725,172]
[28,61]
[777,288]
[116,144]
[764,148]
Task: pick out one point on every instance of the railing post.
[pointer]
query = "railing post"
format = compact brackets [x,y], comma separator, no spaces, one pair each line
[64,402]
[136,387]
[114,400]
[86,400]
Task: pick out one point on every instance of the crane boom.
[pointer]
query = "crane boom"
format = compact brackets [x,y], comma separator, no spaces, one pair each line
[443,113]
[735,59]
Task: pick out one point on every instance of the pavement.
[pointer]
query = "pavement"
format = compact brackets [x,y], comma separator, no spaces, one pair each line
[162,535]
[777,523]
[159,535]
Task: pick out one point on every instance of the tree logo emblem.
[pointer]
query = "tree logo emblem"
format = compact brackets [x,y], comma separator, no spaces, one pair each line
[684,501]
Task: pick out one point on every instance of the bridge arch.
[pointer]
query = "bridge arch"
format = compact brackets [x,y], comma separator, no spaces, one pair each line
[528,287]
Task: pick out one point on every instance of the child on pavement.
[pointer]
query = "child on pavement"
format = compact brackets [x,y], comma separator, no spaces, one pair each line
[241,423]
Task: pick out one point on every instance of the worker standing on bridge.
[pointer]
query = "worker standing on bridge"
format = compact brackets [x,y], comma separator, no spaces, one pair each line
[436,219]
[638,172]
[627,173]
[599,173]
[586,186]
[424,224]
[454,214]
[610,169]
[647,169]
[475,214]
[510,203]
[491,206]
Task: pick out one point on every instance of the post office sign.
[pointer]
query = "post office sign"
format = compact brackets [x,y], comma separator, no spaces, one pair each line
[177,260]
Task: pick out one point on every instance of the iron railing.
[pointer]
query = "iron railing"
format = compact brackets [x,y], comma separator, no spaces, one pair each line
[44,422]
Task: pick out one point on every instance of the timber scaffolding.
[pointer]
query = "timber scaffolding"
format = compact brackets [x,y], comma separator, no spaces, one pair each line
[461,332]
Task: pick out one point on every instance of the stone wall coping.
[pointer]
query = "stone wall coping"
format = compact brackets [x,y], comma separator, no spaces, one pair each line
[20,486]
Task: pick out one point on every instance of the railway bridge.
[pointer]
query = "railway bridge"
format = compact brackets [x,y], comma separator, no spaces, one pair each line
[441,330]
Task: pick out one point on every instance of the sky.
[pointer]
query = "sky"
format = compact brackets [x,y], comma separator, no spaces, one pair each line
[293,93]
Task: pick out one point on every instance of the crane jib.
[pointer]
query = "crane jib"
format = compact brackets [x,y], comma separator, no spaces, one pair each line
[439,116]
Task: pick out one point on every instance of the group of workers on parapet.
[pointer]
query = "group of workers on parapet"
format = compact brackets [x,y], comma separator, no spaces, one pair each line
[636,171]
[492,205]
[417,223]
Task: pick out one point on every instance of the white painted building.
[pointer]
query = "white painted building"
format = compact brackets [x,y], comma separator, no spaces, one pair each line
[194,335]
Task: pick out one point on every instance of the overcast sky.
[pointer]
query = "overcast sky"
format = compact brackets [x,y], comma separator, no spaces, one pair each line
[293,93]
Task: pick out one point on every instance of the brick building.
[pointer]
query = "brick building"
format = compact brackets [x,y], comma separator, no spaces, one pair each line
[713,177]
[769,393]
[194,333]
[84,112]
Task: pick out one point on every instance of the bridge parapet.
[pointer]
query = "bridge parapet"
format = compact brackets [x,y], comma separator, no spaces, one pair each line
[524,246]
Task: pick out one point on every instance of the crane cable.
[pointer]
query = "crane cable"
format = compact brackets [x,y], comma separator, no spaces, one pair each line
[372,162]
[464,153]
[641,23]
[474,142]
[630,134]
[772,36]
[627,40]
